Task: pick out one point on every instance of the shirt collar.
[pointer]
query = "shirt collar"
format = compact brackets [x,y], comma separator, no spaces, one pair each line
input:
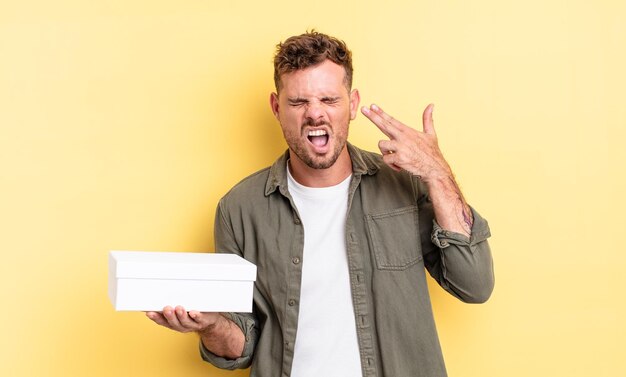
[362,163]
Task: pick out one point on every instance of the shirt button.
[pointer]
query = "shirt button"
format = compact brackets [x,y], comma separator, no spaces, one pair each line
[292,302]
[363,321]
[295,260]
[297,221]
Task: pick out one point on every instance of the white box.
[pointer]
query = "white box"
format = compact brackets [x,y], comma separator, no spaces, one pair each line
[208,282]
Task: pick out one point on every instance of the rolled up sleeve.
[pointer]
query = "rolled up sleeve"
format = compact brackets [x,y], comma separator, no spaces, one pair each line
[248,326]
[463,266]
[225,242]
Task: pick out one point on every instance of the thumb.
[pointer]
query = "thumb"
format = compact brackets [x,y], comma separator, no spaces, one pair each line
[204,319]
[427,120]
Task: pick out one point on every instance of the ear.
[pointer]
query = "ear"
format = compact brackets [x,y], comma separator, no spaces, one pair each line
[274,104]
[355,99]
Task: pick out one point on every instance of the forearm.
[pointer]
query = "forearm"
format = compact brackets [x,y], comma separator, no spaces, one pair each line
[239,330]
[451,210]
[462,266]
[224,338]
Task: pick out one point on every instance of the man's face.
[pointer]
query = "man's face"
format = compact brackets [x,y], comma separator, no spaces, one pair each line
[314,108]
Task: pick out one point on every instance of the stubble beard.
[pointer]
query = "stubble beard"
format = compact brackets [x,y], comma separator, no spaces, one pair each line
[312,160]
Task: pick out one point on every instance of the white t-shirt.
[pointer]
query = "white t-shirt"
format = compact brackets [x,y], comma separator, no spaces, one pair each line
[326,340]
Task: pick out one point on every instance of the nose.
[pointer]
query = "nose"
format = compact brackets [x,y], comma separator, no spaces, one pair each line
[314,111]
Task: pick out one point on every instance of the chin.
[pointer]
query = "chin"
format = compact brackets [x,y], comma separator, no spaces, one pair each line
[317,162]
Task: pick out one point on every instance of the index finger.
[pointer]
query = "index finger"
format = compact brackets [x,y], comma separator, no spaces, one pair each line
[185,319]
[157,317]
[385,123]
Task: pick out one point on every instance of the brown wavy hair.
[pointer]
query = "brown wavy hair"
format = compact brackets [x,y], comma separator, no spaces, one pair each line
[309,49]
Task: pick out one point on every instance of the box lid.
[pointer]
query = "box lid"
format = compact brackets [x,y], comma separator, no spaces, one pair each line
[178,265]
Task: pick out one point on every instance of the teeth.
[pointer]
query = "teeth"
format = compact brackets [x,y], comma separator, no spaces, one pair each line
[317,133]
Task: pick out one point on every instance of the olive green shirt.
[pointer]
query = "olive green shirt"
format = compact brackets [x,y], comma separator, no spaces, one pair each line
[391,239]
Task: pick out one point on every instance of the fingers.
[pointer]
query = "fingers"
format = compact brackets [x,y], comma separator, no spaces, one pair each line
[391,127]
[203,320]
[172,319]
[407,148]
[427,120]
[386,147]
[184,320]
[390,159]
[176,319]
[157,318]
[385,122]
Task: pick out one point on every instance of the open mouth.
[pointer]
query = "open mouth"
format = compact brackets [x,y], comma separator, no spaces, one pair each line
[319,138]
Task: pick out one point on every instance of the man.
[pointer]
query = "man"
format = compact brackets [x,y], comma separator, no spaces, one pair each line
[341,237]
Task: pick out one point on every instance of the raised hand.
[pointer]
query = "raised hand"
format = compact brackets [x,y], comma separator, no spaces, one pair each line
[418,153]
[414,151]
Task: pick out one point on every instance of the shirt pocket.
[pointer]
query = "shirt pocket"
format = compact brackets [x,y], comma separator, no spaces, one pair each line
[394,237]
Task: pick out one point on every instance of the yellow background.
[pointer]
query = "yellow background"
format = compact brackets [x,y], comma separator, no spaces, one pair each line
[123,122]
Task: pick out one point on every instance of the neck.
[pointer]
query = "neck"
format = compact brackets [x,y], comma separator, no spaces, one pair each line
[307,176]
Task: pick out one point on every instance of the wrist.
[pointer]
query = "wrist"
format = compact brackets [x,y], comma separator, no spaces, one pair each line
[435,179]
[213,327]
[223,338]
[437,172]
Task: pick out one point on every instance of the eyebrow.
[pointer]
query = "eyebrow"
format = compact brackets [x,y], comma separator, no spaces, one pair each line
[325,98]
[297,99]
